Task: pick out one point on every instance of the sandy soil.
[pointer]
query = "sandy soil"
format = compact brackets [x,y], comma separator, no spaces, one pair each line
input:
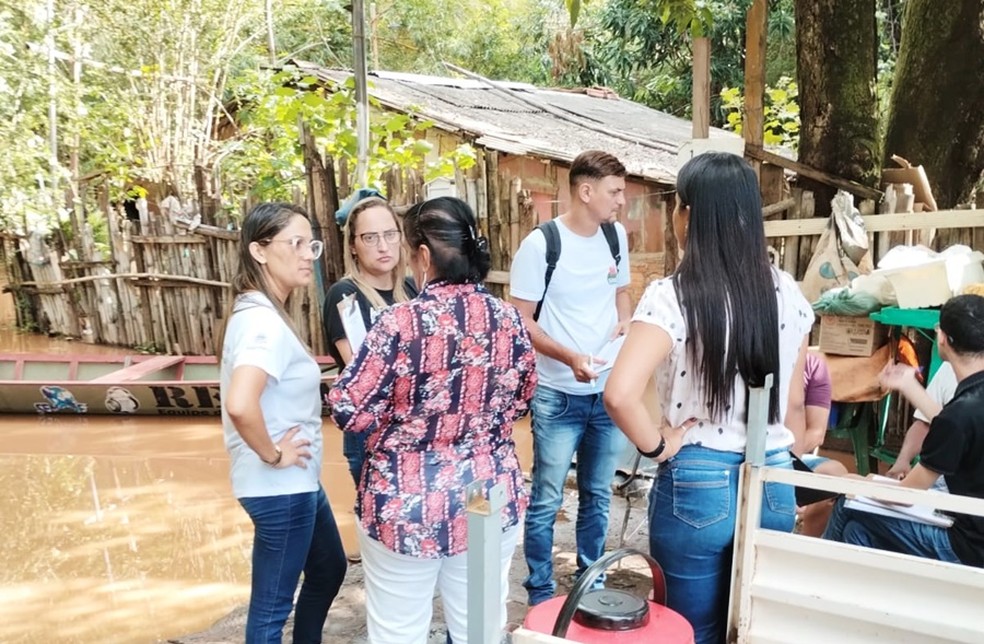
[347,619]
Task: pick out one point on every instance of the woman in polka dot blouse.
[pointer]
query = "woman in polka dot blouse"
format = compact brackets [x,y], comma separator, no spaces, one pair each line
[723,321]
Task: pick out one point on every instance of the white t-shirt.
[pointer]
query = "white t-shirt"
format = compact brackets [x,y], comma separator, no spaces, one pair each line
[579,309]
[941,388]
[680,391]
[258,336]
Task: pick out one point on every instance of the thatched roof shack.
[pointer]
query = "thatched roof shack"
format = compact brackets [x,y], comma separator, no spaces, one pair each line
[527,137]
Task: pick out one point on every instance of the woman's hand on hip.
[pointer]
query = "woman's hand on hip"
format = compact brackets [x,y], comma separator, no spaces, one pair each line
[295,450]
[673,437]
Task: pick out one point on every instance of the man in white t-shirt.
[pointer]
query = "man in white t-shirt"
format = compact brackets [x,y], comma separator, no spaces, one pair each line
[585,305]
[941,389]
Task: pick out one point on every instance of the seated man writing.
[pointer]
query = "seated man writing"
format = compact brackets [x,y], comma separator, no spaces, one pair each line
[953,448]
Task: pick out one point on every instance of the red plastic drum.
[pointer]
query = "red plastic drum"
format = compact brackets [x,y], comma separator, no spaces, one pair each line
[609,616]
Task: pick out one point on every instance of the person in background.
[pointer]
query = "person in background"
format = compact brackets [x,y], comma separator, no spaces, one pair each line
[437,386]
[719,325]
[810,420]
[376,274]
[953,448]
[585,306]
[941,389]
[271,419]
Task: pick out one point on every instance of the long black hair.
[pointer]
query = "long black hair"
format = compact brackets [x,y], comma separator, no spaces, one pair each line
[446,225]
[725,283]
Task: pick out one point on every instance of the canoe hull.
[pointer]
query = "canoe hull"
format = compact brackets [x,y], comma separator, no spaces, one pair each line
[125,398]
[159,386]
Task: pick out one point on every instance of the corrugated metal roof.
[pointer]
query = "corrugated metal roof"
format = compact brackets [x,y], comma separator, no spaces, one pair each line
[522,119]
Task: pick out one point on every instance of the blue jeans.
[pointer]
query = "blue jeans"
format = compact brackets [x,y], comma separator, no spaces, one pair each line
[889,533]
[354,449]
[293,533]
[563,425]
[692,514]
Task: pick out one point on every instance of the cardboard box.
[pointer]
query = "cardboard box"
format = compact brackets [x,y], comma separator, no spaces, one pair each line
[851,336]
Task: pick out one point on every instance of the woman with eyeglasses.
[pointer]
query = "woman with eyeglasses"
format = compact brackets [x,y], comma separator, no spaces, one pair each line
[376,275]
[437,386]
[271,417]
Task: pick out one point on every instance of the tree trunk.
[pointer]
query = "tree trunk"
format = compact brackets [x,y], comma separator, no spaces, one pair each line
[836,60]
[936,117]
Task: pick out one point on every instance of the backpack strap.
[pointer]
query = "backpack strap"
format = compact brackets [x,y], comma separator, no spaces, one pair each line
[552,235]
[611,236]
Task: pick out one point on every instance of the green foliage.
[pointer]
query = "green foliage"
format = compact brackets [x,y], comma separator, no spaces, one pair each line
[693,17]
[24,169]
[781,111]
[500,39]
[156,76]
[266,160]
[573,10]
[642,48]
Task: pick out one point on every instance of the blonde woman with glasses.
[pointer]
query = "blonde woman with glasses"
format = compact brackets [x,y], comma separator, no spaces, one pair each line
[376,276]
[270,387]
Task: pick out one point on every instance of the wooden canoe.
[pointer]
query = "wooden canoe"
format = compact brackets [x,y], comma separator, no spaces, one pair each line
[121,385]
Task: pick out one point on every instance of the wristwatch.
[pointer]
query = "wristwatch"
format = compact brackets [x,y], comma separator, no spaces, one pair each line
[656,452]
[280,454]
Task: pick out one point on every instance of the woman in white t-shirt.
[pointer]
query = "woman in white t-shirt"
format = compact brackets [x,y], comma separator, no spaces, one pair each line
[723,321]
[271,418]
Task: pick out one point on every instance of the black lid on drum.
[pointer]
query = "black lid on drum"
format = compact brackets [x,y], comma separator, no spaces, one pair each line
[612,610]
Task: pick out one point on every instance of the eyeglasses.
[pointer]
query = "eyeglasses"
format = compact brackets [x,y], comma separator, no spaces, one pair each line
[299,244]
[389,236]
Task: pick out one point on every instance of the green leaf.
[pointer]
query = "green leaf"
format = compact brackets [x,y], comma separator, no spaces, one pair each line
[573,10]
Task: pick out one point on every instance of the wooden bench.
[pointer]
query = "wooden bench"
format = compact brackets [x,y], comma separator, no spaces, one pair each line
[138,370]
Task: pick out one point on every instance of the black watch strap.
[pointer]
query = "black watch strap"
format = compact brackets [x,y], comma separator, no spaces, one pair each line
[656,452]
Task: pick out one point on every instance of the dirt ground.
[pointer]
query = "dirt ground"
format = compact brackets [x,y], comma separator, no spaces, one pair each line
[347,619]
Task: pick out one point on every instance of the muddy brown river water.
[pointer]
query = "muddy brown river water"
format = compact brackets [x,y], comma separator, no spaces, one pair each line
[124,530]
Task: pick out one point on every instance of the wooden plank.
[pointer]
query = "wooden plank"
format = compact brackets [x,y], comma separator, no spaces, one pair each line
[882,223]
[167,239]
[755,32]
[139,370]
[790,249]
[701,94]
[209,231]
[776,208]
[808,245]
[498,277]
[158,279]
[853,187]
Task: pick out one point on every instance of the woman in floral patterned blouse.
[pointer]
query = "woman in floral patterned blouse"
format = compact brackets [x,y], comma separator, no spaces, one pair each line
[437,384]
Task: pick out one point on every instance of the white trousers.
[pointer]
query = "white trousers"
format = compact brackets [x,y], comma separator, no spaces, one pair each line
[400,591]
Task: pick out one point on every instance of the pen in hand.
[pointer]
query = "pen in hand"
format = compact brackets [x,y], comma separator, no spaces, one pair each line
[594,381]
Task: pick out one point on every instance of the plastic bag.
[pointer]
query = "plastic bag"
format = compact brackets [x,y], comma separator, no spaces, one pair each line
[842,252]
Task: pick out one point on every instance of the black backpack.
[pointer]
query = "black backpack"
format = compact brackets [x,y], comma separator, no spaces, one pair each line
[552,235]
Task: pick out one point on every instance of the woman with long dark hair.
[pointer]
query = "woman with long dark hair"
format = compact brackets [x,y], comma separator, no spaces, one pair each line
[719,325]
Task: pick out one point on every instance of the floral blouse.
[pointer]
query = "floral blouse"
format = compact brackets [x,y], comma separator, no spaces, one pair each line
[438,383]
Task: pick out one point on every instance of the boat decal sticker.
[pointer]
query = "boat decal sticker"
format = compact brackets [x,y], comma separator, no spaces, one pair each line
[59,399]
[121,401]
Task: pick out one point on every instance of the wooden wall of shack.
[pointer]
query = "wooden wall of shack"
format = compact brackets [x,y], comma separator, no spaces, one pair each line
[166,289]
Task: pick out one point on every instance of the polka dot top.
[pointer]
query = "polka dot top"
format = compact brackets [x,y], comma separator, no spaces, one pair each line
[681,395]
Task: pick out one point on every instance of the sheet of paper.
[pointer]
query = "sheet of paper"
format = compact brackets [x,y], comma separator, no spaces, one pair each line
[917,513]
[352,322]
[608,353]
